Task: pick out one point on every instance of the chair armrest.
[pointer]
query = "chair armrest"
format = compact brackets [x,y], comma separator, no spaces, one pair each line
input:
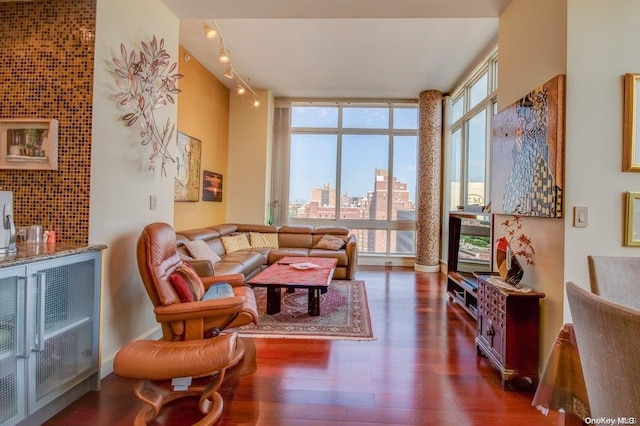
[202,309]
[234,279]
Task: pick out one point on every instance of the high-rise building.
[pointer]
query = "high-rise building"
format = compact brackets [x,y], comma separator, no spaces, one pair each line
[372,206]
[378,209]
[325,196]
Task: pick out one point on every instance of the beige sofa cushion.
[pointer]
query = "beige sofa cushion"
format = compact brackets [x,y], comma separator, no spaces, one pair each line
[329,242]
[235,243]
[263,240]
[199,249]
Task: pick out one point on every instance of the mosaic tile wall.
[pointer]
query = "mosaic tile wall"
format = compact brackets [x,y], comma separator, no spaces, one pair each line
[46,71]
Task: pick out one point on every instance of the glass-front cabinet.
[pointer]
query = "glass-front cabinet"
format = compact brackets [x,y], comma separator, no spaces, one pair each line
[49,335]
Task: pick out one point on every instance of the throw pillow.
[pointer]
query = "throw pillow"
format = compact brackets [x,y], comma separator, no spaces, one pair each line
[187,283]
[260,240]
[329,242]
[200,250]
[233,243]
[218,290]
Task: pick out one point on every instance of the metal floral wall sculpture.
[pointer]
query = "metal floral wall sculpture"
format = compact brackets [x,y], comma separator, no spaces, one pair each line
[147,81]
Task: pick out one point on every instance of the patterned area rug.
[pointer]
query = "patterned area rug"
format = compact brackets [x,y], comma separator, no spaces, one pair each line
[344,314]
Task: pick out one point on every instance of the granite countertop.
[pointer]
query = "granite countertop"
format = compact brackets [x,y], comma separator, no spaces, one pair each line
[30,252]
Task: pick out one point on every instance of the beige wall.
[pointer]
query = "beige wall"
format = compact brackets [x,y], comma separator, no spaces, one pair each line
[250,141]
[532,40]
[532,46]
[120,182]
[602,46]
[203,113]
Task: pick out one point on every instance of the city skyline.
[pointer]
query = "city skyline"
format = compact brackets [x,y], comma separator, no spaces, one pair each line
[326,137]
[361,156]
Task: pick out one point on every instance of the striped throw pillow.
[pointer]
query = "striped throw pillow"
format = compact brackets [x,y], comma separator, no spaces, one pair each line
[187,283]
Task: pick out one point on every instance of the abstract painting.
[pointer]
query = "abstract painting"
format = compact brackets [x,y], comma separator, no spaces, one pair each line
[212,186]
[187,183]
[527,154]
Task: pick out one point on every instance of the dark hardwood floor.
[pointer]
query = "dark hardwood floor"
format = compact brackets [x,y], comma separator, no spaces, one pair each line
[422,369]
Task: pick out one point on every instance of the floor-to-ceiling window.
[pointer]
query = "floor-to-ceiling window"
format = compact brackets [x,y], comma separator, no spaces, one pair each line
[471,107]
[354,164]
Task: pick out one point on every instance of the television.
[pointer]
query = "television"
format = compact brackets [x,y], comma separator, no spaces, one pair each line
[469,251]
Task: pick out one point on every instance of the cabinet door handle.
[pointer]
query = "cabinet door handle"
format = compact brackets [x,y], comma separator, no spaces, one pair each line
[42,287]
[24,337]
[491,331]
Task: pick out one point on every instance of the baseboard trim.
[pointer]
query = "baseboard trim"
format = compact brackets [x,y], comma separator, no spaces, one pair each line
[426,268]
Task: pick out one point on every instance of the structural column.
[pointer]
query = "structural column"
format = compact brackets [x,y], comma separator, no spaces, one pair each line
[429,181]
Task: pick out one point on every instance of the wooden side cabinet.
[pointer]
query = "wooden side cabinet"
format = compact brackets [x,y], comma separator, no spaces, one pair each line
[508,333]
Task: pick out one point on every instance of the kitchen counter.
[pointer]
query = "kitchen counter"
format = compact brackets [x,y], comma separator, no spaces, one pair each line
[30,252]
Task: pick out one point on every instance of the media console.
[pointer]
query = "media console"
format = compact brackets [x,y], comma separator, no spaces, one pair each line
[469,251]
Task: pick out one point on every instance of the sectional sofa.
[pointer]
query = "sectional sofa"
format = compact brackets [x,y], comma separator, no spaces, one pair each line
[248,249]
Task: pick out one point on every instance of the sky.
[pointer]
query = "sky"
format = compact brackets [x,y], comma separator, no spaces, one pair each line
[314,156]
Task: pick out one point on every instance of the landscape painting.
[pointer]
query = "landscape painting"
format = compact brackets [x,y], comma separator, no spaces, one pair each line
[212,186]
[527,154]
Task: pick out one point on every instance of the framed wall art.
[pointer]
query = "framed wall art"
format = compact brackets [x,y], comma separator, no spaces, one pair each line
[632,219]
[211,186]
[30,144]
[527,154]
[187,183]
[631,149]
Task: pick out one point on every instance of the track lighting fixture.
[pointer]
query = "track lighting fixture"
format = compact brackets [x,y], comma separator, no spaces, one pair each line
[223,55]
[229,72]
[209,32]
[240,88]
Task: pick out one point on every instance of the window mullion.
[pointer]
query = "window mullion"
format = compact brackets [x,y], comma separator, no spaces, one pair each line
[338,206]
[464,167]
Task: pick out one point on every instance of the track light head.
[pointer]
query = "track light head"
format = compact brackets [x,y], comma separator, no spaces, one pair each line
[229,72]
[209,31]
[256,102]
[240,89]
[223,55]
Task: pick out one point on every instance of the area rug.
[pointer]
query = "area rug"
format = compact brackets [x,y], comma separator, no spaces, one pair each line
[344,315]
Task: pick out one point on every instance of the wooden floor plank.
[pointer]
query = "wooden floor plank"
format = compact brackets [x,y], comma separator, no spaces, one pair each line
[422,369]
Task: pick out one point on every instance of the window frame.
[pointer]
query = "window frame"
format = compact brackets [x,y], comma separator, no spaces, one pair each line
[387,225]
[489,66]
[488,63]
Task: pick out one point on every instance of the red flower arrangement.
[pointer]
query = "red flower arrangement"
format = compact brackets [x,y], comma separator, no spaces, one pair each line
[520,243]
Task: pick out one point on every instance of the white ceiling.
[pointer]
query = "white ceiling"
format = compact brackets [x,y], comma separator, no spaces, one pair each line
[374,49]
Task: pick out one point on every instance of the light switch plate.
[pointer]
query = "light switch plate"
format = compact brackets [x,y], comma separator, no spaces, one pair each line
[153,202]
[580,217]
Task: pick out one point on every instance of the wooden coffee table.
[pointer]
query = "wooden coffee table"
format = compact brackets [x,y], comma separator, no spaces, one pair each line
[284,274]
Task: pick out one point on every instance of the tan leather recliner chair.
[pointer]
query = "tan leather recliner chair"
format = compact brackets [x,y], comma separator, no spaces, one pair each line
[158,258]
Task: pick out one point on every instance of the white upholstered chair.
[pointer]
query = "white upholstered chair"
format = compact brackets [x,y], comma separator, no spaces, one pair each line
[608,337]
[616,279]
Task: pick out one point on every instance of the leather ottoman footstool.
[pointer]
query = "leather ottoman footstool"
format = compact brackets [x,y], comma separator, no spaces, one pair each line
[164,371]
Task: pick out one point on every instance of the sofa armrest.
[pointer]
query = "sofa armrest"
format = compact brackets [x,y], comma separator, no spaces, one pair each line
[351,249]
[203,267]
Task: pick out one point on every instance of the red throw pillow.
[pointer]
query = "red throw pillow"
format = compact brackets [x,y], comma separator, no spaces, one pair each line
[187,283]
